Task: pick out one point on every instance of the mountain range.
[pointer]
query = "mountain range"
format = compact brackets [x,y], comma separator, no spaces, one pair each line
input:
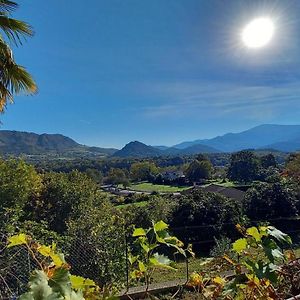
[284,138]
[18,143]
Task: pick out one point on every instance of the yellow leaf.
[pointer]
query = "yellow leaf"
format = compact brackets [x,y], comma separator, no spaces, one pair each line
[56,259]
[44,250]
[219,280]
[16,240]
[253,231]
[239,245]
[79,282]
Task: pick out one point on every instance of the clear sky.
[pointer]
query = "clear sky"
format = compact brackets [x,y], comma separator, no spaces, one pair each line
[158,71]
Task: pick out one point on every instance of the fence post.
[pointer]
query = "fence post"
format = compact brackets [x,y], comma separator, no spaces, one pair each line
[187,269]
[127,267]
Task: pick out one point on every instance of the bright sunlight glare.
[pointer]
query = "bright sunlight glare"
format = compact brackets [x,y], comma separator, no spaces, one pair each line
[258,32]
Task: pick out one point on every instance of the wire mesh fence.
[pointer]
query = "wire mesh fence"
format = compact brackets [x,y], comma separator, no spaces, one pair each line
[92,259]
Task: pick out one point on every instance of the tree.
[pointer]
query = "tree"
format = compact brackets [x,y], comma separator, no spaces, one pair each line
[198,170]
[292,168]
[18,183]
[117,176]
[64,197]
[270,200]
[143,171]
[199,216]
[14,78]
[268,161]
[94,174]
[243,166]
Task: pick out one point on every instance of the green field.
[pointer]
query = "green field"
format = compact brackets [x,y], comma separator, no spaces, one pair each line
[149,187]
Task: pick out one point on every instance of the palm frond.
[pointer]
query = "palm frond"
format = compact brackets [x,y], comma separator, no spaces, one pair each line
[15,29]
[18,80]
[7,6]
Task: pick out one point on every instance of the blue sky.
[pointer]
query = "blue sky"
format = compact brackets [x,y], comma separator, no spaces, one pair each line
[159,71]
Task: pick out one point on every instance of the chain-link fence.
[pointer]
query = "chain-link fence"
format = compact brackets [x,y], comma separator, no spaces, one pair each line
[95,260]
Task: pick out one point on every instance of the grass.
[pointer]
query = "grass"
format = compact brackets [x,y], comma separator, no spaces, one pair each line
[150,187]
[204,264]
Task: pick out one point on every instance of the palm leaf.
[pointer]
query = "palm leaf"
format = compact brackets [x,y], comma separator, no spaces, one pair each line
[7,6]
[15,29]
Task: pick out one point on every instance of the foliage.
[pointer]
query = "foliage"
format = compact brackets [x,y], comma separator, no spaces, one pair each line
[257,268]
[117,176]
[141,171]
[222,246]
[198,170]
[268,160]
[148,259]
[199,216]
[157,208]
[243,166]
[292,168]
[14,78]
[267,201]
[19,184]
[64,196]
[52,279]
[97,244]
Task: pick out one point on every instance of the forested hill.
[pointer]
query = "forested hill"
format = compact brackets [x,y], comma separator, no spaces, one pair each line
[17,143]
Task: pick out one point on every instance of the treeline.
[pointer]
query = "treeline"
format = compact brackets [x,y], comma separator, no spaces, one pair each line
[70,209]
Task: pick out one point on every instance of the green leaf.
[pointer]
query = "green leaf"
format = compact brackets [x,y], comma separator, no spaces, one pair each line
[159,226]
[253,231]
[16,240]
[39,288]
[239,245]
[160,260]
[80,283]
[279,235]
[142,266]
[139,232]
[60,281]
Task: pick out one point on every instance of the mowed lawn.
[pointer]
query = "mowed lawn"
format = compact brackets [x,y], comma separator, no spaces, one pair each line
[150,187]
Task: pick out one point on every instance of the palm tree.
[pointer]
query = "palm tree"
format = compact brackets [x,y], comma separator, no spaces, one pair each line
[14,79]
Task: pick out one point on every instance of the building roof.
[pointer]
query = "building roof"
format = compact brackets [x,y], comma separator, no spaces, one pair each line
[225,191]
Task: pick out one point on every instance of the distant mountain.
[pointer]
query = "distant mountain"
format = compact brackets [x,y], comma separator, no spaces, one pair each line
[27,143]
[287,146]
[161,147]
[263,136]
[195,149]
[137,149]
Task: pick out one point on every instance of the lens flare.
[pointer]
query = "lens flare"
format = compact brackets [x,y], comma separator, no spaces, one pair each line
[258,33]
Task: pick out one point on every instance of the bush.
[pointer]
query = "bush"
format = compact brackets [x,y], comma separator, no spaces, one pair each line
[200,216]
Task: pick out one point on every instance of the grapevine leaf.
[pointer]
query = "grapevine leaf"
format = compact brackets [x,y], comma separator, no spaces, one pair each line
[60,281]
[80,283]
[253,231]
[160,226]
[16,240]
[279,235]
[142,267]
[139,232]
[44,250]
[239,245]
[160,260]
[39,288]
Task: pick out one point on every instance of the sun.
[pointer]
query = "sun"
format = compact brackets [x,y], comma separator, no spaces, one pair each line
[258,33]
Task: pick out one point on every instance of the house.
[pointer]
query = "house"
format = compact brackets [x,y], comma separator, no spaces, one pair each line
[228,192]
[172,175]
